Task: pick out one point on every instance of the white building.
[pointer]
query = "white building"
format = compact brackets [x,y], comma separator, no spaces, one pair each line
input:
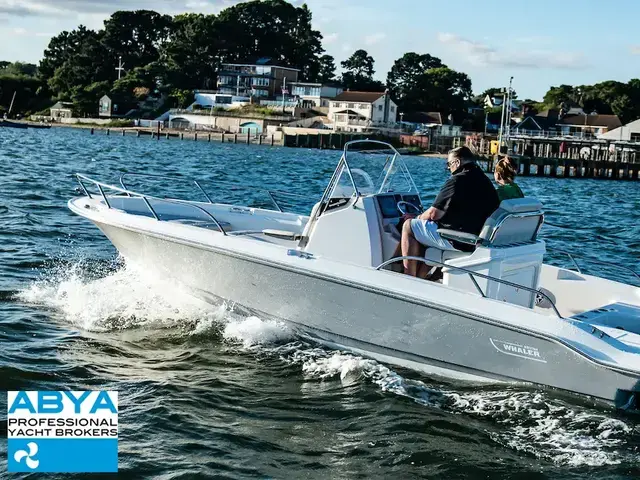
[209,99]
[359,111]
[626,133]
[314,94]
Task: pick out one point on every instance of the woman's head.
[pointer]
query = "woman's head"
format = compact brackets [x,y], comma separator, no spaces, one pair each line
[505,171]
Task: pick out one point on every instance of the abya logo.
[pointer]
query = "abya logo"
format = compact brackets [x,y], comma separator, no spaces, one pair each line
[28,456]
[517,350]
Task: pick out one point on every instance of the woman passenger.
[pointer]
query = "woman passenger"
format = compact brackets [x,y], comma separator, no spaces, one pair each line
[505,174]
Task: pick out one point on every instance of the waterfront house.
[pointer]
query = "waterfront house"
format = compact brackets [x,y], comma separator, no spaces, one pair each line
[207,99]
[431,123]
[260,79]
[310,94]
[626,133]
[114,107]
[574,123]
[61,110]
[359,111]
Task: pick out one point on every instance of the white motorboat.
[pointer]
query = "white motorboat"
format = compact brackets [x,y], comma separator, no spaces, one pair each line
[498,314]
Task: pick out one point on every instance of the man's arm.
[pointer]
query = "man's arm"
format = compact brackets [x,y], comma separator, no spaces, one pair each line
[434,214]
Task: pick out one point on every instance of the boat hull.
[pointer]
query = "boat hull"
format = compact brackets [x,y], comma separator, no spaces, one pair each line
[402,330]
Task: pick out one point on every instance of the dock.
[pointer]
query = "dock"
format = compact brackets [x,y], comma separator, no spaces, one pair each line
[564,157]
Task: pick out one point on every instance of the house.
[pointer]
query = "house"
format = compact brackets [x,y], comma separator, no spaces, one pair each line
[260,79]
[109,107]
[359,111]
[207,99]
[626,133]
[573,123]
[314,94]
[61,110]
[432,123]
[496,101]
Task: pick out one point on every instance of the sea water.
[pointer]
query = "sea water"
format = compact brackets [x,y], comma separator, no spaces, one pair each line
[207,392]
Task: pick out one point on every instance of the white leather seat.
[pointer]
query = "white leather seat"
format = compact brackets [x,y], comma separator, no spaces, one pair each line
[515,222]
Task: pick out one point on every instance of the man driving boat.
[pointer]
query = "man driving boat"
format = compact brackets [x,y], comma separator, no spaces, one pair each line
[463,204]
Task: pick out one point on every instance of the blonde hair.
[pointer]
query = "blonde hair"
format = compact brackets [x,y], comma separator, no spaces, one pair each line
[507,169]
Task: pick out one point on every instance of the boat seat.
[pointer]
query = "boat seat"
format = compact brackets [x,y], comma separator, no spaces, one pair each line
[515,222]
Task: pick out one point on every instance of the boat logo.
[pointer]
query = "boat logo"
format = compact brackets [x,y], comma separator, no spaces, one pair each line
[31,462]
[517,350]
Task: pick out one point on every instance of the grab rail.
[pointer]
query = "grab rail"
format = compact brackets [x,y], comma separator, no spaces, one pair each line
[270,193]
[472,274]
[573,256]
[130,193]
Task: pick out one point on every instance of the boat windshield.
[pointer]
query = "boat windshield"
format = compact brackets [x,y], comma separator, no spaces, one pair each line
[368,167]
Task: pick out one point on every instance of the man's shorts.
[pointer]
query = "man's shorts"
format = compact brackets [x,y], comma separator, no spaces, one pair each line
[426,232]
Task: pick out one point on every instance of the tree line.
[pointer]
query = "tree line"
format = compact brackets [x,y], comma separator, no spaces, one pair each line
[165,58]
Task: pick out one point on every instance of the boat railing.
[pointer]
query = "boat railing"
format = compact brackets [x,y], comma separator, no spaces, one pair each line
[573,256]
[272,194]
[472,277]
[145,198]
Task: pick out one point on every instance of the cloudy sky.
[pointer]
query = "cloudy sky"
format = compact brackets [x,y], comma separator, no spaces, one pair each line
[541,43]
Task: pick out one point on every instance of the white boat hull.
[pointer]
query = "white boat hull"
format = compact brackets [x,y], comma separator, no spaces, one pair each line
[455,339]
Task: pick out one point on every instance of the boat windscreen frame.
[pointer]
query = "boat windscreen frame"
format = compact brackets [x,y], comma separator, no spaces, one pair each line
[394,159]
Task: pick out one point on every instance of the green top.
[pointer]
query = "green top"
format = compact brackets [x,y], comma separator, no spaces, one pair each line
[509,191]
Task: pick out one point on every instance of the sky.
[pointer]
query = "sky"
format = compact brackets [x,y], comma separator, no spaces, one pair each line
[540,44]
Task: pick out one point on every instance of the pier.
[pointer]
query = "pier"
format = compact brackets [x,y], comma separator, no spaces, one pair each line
[563,157]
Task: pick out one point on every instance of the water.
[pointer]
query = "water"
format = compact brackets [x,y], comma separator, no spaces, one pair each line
[206,392]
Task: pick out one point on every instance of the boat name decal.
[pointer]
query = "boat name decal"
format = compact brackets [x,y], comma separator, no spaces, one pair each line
[517,350]
[241,210]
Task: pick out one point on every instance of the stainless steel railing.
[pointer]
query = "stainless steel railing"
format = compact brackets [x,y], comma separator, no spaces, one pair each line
[145,198]
[573,256]
[271,193]
[472,275]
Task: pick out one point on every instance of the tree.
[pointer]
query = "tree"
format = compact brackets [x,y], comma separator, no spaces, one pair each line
[273,29]
[406,70]
[190,59]
[557,96]
[359,72]
[327,71]
[136,36]
[359,65]
[441,90]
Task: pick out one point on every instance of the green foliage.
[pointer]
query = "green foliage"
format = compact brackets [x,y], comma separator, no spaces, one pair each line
[327,71]
[358,74]
[405,73]
[20,79]
[422,83]
[609,97]
[180,98]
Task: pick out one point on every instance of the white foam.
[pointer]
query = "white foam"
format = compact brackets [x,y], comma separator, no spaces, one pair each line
[252,331]
[122,299]
[522,420]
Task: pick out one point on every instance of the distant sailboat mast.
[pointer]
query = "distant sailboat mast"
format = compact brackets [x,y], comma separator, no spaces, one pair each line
[12,100]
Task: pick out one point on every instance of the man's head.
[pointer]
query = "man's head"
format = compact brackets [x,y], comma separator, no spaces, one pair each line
[458,157]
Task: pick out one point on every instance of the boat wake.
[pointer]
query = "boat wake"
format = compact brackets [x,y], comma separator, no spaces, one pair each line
[522,419]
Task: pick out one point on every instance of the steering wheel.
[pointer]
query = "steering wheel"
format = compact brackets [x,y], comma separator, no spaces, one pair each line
[408,208]
[366,177]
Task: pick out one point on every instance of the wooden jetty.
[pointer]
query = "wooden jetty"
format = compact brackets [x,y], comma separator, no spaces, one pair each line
[563,157]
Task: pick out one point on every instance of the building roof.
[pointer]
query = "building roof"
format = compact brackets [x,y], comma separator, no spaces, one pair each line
[351,112]
[425,117]
[359,97]
[622,133]
[62,106]
[264,61]
[608,121]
